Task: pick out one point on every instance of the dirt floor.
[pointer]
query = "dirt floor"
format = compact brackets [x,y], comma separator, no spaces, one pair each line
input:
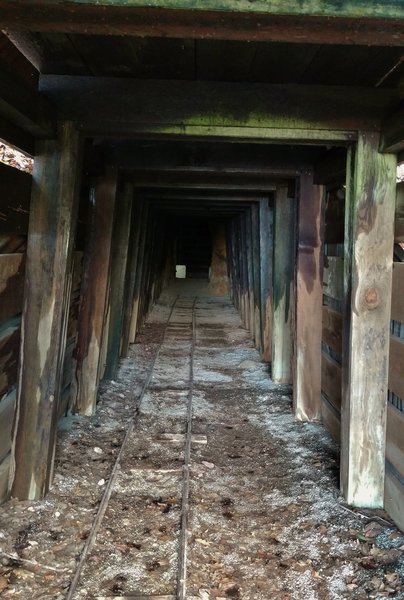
[265,520]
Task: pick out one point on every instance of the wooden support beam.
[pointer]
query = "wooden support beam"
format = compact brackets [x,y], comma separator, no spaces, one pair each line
[283,282]
[51,235]
[255,232]
[224,111]
[134,243]
[139,275]
[266,253]
[118,271]
[309,294]
[370,204]
[331,22]
[94,292]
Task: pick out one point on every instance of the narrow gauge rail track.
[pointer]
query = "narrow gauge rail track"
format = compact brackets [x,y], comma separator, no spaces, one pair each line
[183,535]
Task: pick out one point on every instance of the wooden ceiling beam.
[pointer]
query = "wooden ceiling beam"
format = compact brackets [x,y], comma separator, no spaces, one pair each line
[329,22]
[222,111]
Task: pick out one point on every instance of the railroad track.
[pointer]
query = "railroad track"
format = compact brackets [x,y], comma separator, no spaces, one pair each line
[181,586]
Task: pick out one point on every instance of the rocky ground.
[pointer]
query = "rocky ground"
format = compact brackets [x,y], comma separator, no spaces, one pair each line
[266,520]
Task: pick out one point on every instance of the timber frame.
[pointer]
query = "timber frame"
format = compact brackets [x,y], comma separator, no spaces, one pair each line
[288,129]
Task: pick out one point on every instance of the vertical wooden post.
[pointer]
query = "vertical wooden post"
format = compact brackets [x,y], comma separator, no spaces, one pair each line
[131,275]
[119,258]
[309,290]
[284,275]
[256,265]
[266,253]
[369,238]
[139,276]
[250,272]
[53,217]
[94,292]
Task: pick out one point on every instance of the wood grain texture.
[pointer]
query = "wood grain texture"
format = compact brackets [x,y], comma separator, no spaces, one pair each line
[266,266]
[331,379]
[218,109]
[331,419]
[94,292]
[309,295]
[283,286]
[118,271]
[371,23]
[371,190]
[332,329]
[50,246]
[333,277]
[10,337]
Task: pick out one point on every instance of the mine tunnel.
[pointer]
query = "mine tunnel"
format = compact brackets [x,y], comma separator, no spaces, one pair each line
[201,303]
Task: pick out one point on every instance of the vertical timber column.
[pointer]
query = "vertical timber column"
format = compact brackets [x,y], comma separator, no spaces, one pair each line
[266,253]
[255,233]
[53,218]
[94,292]
[131,275]
[119,259]
[284,275]
[369,239]
[139,275]
[309,294]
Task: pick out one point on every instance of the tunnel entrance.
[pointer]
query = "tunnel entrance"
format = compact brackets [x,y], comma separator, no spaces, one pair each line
[194,246]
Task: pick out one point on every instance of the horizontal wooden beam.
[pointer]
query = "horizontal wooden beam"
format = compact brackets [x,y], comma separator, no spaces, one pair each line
[330,22]
[219,110]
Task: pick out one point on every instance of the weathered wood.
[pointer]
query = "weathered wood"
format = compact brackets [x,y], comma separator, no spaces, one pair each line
[12,267]
[222,110]
[396,362]
[331,379]
[255,232]
[397,293]
[10,338]
[134,243]
[370,201]
[393,499]
[7,408]
[395,438]
[315,22]
[50,245]
[309,294]
[332,329]
[333,277]
[94,291]
[266,253]
[331,419]
[118,272]
[140,266]
[283,286]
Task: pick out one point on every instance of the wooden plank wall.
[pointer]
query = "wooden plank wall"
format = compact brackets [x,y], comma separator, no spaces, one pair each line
[15,192]
[333,290]
[394,486]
